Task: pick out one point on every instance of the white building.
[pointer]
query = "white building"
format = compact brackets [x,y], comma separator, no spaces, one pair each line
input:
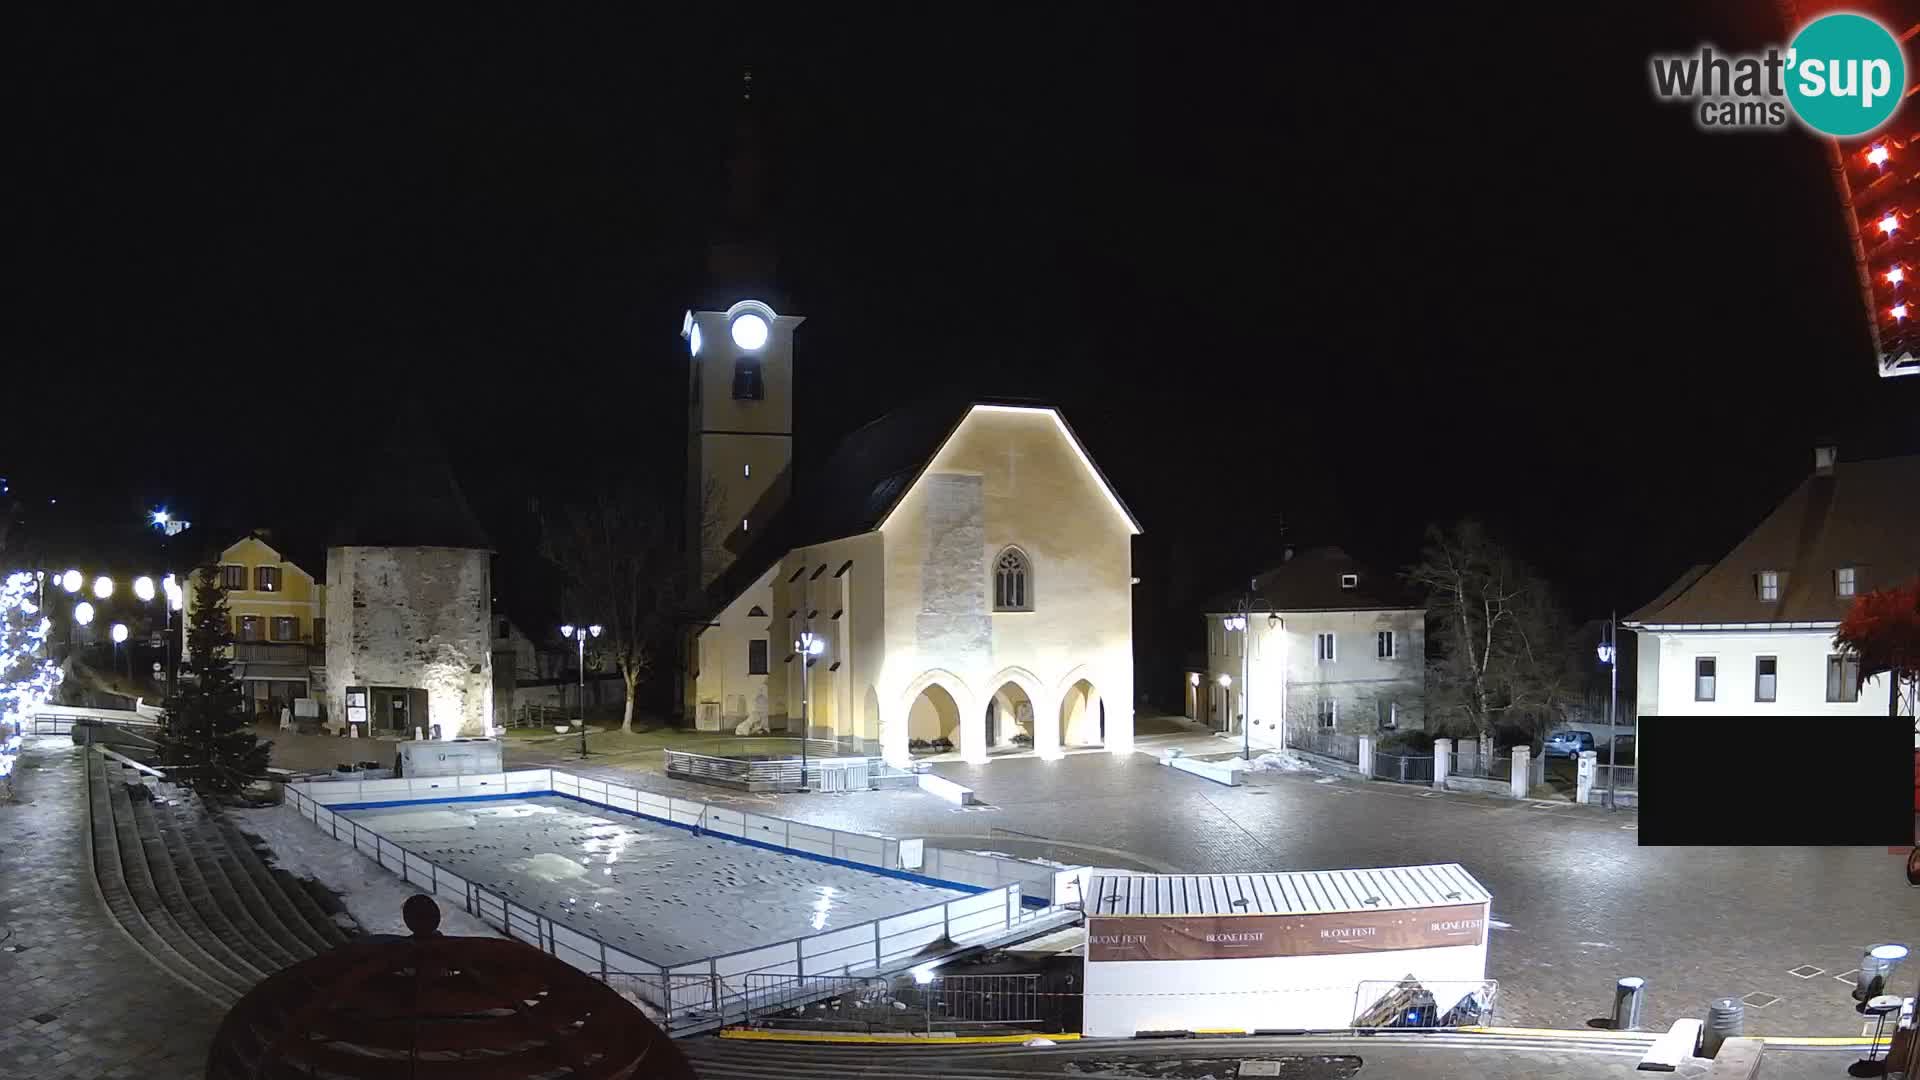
[1327,645]
[965,567]
[1753,633]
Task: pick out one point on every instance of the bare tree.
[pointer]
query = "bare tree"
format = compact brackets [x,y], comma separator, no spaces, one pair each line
[1504,647]
[624,559]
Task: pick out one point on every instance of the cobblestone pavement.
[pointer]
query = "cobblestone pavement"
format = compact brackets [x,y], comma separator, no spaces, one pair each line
[1576,902]
[79,1000]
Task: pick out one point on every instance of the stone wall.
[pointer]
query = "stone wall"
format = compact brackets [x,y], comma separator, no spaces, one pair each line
[413,617]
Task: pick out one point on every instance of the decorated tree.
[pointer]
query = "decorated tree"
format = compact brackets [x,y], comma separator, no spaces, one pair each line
[27,677]
[205,735]
[1883,630]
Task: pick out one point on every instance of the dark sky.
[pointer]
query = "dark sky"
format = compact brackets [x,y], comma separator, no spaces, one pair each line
[1348,269]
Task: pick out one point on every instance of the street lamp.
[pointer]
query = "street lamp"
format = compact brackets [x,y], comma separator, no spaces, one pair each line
[102,587]
[83,613]
[1238,621]
[1610,656]
[809,646]
[119,634]
[71,581]
[143,588]
[580,634]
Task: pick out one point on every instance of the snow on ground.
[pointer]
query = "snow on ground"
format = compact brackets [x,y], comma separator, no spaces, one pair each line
[660,893]
[372,894]
[1273,761]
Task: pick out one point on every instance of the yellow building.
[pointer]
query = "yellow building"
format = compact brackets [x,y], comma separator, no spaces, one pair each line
[278,613]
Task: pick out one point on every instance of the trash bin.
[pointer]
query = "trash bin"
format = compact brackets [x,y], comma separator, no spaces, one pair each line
[1628,995]
[1726,1018]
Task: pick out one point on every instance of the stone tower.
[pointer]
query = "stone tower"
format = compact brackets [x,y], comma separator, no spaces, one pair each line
[410,602]
[740,378]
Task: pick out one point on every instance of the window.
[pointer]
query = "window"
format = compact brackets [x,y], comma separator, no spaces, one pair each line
[1349,581]
[1383,644]
[1843,580]
[1843,678]
[1766,678]
[746,380]
[246,628]
[1323,646]
[266,578]
[319,631]
[233,577]
[1327,712]
[1012,581]
[757,656]
[1389,715]
[285,628]
[1703,672]
[1768,583]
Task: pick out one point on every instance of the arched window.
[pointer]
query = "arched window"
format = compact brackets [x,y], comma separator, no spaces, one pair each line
[1012,581]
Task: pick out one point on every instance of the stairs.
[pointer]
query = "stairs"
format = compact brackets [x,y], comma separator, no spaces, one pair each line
[189,890]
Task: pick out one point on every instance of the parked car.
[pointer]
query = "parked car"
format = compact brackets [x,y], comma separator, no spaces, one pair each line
[1623,749]
[1567,743]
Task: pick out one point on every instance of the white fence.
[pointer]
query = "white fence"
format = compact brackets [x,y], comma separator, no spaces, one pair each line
[697,995]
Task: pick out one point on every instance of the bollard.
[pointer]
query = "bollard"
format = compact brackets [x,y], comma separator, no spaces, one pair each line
[1875,968]
[1726,1018]
[1628,995]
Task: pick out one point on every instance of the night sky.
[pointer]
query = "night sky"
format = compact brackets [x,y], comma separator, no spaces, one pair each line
[1347,272]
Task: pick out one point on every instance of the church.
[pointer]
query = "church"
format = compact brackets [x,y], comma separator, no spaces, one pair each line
[957,576]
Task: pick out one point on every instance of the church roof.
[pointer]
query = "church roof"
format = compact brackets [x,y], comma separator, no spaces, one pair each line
[407,497]
[866,476]
[1862,515]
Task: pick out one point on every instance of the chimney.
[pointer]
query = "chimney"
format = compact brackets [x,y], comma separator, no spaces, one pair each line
[1823,459]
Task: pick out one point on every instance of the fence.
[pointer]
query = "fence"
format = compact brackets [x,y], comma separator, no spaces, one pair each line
[824,771]
[703,993]
[1403,768]
[1471,762]
[1602,777]
[897,1004]
[1325,743]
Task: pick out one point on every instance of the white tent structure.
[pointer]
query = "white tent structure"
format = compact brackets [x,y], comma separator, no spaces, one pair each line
[1264,952]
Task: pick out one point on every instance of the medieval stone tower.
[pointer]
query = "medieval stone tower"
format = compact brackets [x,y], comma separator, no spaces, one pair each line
[410,603]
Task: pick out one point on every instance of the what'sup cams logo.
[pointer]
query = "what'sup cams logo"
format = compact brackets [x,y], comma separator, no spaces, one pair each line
[1843,75]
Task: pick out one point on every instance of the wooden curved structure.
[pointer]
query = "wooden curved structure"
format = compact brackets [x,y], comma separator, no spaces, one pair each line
[431,1006]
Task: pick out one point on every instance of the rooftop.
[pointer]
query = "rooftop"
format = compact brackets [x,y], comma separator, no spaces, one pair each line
[1305,892]
[1317,579]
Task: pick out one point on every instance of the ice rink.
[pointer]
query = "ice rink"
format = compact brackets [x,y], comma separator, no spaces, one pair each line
[658,892]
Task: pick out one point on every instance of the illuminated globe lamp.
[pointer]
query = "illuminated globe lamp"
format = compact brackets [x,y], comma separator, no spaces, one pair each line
[102,587]
[749,331]
[83,613]
[434,1007]
[176,597]
[143,588]
[119,632]
[71,581]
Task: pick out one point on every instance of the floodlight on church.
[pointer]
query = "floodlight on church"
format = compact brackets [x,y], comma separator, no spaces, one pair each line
[749,331]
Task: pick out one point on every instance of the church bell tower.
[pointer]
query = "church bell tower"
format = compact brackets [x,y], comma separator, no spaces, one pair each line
[740,378]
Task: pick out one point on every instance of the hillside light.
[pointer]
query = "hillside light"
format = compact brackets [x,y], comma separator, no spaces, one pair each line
[143,587]
[1878,155]
[83,613]
[750,332]
[1888,224]
[71,581]
[1896,275]
[1898,312]
[160,519]
[102,587]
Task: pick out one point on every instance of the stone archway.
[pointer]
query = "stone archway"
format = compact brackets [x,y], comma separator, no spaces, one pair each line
[933,721]
[939,701]
[1023,707]
[1082,715]
[866,724]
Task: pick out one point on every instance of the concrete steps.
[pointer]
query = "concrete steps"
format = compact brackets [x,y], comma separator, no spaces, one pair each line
[190,890]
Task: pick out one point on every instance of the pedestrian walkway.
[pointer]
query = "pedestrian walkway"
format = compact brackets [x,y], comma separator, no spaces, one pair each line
[80,1000]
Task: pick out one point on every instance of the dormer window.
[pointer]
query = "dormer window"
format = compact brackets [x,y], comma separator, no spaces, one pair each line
[1843,582]
[1349,581]
[1767,584]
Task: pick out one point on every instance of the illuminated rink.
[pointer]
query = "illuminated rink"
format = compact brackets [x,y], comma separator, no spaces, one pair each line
[655,891]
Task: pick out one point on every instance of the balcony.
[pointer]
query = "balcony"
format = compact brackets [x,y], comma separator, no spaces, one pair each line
[280,652]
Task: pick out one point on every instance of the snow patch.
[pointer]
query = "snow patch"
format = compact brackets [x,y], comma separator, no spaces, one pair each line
[1273,761]
[373,895]
[419,819]
[548,866]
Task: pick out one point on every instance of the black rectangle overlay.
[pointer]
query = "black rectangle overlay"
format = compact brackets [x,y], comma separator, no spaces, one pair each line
[1775,781]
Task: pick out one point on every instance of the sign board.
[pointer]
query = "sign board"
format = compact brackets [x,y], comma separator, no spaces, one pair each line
[356,698]
[1230,937]
[912,854]
[306,707]
[356,714]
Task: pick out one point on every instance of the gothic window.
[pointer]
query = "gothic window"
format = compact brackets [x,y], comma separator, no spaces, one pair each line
[1012,581]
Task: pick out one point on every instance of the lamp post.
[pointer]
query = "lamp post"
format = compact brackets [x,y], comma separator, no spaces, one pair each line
[580,634]
[809,646]
[1610,656]
[1239,622]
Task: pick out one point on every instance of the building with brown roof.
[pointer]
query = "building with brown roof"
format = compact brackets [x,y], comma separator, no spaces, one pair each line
[1328,645]
[1753,632]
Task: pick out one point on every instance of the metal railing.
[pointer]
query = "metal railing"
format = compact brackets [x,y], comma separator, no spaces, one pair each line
[898,1004]
[826,769]
[1333,744]
[1602,777]
[703,993]
[1403,768]
[530,714]
[1475,764]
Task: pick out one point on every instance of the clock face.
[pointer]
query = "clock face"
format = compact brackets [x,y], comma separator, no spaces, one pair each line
[693,339]
[750,331]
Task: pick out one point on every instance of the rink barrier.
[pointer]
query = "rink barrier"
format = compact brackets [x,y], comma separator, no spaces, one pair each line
[703,994]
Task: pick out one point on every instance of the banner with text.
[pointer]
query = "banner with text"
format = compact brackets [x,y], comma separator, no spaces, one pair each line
[1229,937]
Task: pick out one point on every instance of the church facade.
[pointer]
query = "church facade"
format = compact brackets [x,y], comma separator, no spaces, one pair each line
[958,576]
